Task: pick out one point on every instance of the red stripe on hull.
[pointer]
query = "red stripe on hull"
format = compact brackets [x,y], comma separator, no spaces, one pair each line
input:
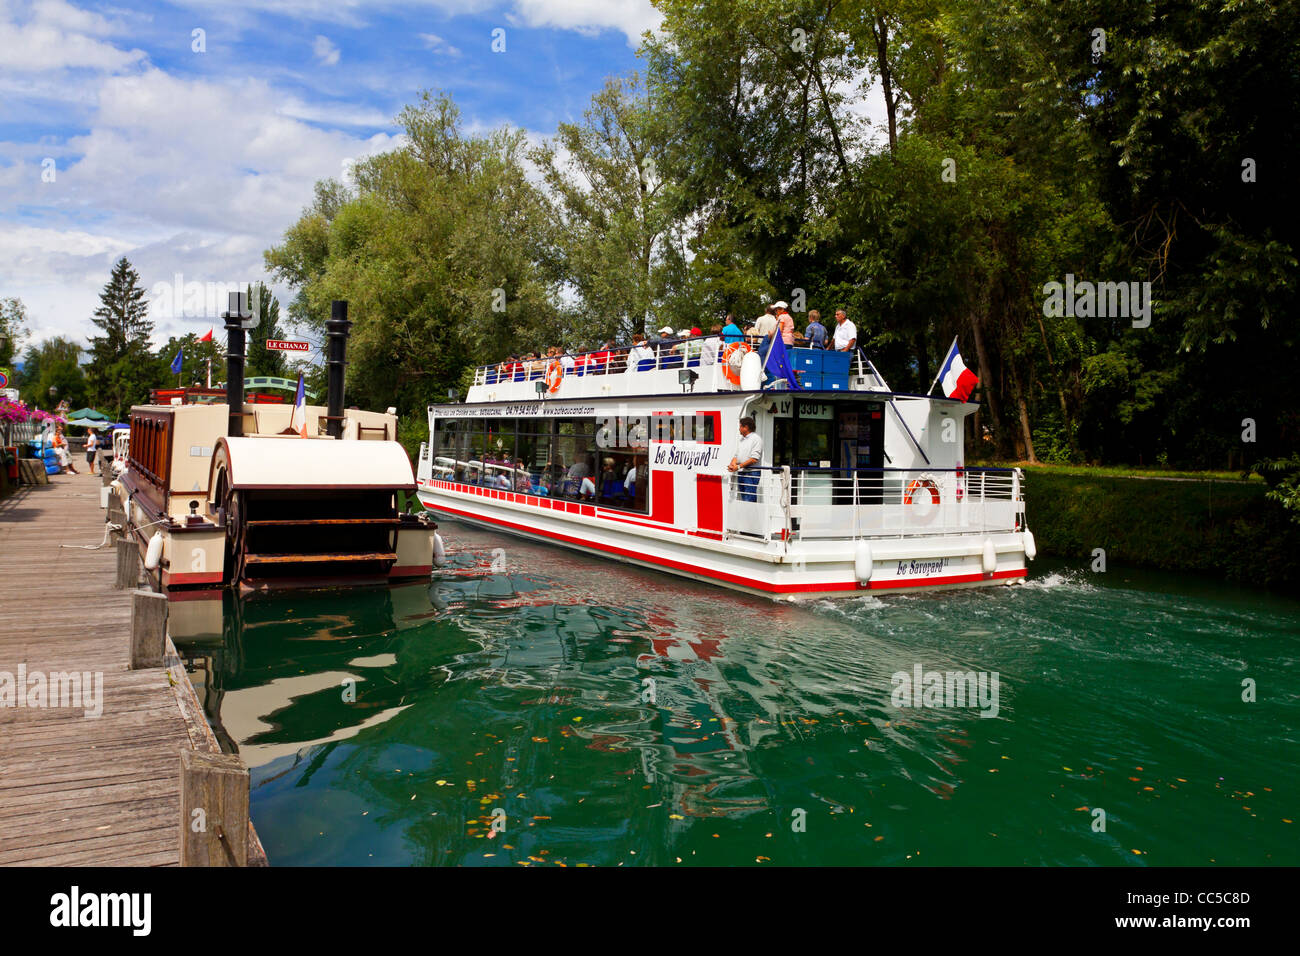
[742,581]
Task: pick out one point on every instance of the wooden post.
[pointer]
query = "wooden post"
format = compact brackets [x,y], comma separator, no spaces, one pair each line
[148,629]
[128,565]
[214,809]
[117,517]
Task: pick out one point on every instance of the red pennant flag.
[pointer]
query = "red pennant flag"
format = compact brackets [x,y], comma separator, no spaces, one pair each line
[208,337]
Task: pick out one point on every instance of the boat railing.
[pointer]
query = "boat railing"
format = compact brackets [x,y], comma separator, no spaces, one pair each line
[874,502]
[666,354]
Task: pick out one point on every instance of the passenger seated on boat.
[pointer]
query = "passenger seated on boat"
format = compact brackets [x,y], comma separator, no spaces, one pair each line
[587,489]
[523,480]
[641,357]
[731,331]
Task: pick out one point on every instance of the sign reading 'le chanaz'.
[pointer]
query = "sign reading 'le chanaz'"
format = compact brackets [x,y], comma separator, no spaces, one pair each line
[280,345]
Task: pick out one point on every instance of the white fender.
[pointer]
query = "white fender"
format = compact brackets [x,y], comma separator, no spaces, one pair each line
[751,372]
[154,553]
[1031,548]
[990,556]
[439,551]
[863,564]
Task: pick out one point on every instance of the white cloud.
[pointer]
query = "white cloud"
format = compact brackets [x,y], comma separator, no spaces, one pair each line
[438,45]
[632,17]
[325,51]
[196,176]
[56,36]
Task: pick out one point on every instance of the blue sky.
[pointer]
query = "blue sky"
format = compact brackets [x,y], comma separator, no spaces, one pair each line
[118,138]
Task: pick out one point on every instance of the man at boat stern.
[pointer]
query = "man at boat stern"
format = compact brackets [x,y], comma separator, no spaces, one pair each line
[749,452]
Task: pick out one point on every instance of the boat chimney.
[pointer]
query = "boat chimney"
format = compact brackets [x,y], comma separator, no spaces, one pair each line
[238,318]
[336,331]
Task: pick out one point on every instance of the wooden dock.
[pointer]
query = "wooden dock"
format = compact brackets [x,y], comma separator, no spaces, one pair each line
[78,790]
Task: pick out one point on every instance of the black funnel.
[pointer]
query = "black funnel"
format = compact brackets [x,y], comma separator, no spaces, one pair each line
[336,331]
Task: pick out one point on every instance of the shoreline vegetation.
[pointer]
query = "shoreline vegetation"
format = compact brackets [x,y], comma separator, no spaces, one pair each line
[1218,523]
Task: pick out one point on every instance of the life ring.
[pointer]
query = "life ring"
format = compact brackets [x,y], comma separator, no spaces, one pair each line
[732,356]
[554,375]
[914,488]
[961,482]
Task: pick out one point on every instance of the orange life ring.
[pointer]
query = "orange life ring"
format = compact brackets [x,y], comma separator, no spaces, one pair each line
[918,484]
[554,375]
[738,351]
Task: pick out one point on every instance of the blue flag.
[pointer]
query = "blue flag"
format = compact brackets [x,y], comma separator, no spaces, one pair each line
[777,363]
[176,362]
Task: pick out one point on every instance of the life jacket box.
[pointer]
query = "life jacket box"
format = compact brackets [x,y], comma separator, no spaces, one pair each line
[833,382]
[812,381]
[836,363]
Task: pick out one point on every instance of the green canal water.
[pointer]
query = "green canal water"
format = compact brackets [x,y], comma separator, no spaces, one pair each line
[533,706]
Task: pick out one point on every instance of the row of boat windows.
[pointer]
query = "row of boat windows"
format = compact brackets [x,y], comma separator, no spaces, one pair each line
[600,460]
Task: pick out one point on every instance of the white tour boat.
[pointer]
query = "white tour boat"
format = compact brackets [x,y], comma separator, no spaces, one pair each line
[625,454]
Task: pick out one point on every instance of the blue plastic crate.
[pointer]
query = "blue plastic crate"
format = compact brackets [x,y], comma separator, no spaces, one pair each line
[836,363]
[806,360]
[811,381]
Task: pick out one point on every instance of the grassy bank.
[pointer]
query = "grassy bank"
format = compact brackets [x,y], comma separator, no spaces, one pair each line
[1206,524]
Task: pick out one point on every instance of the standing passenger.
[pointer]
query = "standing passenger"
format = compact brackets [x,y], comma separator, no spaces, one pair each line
[816,332]
[749,453]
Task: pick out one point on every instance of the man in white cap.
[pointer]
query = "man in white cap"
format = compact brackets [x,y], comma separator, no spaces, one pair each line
[658,340]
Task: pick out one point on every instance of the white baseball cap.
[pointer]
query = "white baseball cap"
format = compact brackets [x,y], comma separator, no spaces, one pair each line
[781,305]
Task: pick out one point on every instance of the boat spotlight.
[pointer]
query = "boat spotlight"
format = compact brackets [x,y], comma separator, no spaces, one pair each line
[686,377]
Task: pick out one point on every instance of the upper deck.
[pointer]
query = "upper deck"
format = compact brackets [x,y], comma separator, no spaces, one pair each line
[697,364]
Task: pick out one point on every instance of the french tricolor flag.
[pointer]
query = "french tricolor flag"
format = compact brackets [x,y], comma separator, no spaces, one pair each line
[957,380]
[298,419]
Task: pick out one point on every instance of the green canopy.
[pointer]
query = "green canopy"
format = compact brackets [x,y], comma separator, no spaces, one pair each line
[87,413]
[89,423]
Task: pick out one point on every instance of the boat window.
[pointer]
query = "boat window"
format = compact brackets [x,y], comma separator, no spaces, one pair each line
[571,458]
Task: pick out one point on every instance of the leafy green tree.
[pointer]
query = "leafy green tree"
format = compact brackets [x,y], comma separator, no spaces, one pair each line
[438,254]
[195,356]
[261,360]
[54,363]
[13,330]
[122,366]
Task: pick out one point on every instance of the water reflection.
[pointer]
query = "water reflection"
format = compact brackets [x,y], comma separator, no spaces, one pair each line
[610,715]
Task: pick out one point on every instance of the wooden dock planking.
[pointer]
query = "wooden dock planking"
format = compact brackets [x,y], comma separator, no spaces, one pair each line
[78,791]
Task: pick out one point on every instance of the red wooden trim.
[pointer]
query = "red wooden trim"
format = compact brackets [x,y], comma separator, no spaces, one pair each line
[193,577]
[411,570]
